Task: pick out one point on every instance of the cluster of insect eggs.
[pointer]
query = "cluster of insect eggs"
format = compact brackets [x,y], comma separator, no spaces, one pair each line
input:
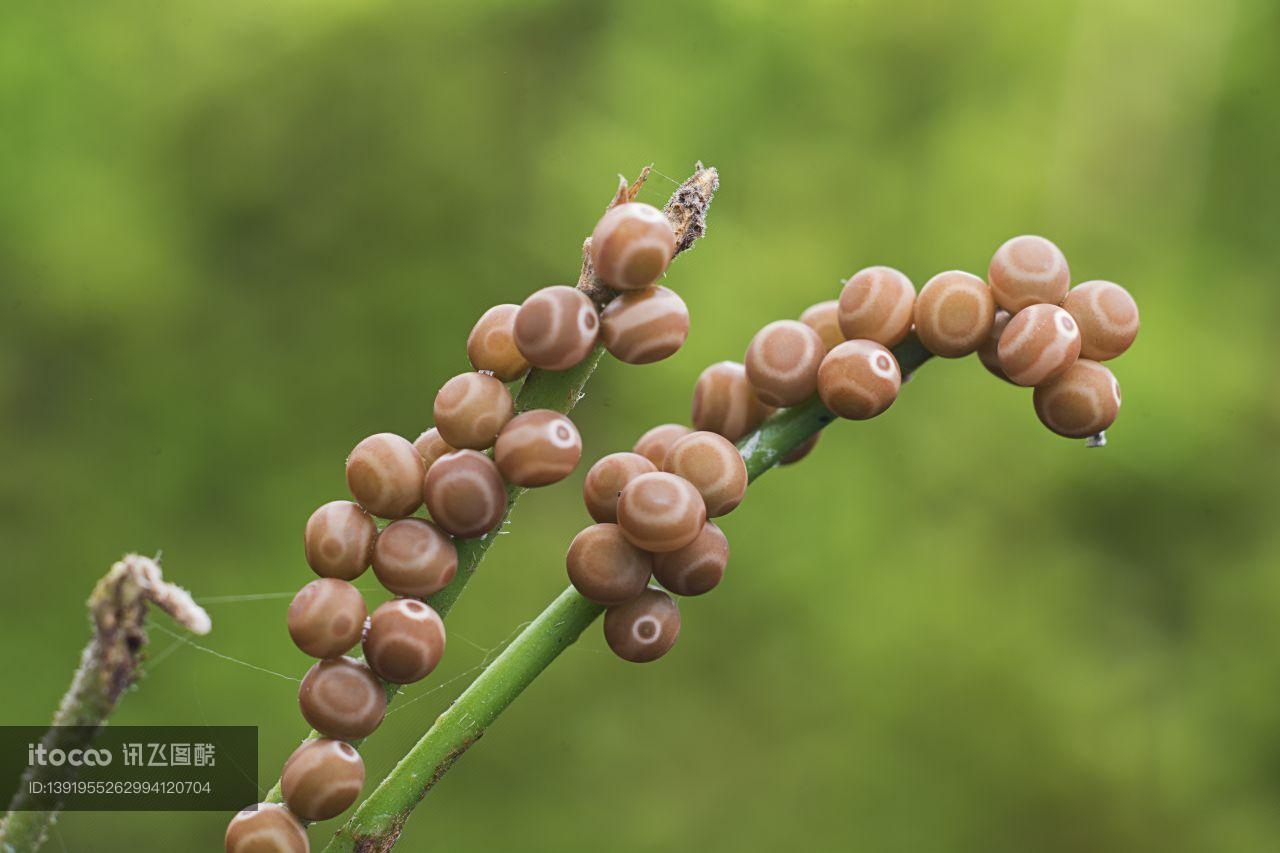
[1025,321]
[652,522]
[651,506]
[460,470]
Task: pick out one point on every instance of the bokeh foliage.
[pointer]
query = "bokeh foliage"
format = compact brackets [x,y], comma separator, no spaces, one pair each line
[237,237]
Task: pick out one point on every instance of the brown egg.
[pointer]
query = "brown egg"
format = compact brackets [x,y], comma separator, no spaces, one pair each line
[876,305]
[802,451]
[697,567]
[266,828]
[465,494]
[725,402]
[1026,271]
[1081,402]
[644,326]
[471,409]
[644,628]
[605,568]
[782,362]
[338,540]
[537,448]
[824,318]
[341,698]
[405,641]
[413,557]
[660,512]
[556,327]
[432,446]
[1107,316]
[954,314]
[326,617]
[632,245]
[384,473]
[715,468]
[653,445]
[1039,344]
[859,380]
[491,345]
[605,480]
[988,353]
[322,779]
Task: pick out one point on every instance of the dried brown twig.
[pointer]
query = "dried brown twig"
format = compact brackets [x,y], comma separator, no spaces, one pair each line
[110,664]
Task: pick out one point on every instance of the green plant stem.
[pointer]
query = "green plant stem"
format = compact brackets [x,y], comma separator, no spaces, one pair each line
[377,822]
[562,390]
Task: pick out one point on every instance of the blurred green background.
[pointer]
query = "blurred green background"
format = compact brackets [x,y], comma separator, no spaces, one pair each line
[237,237]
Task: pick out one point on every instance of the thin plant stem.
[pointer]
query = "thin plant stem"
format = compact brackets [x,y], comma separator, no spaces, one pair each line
[378,821]
[110,664]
